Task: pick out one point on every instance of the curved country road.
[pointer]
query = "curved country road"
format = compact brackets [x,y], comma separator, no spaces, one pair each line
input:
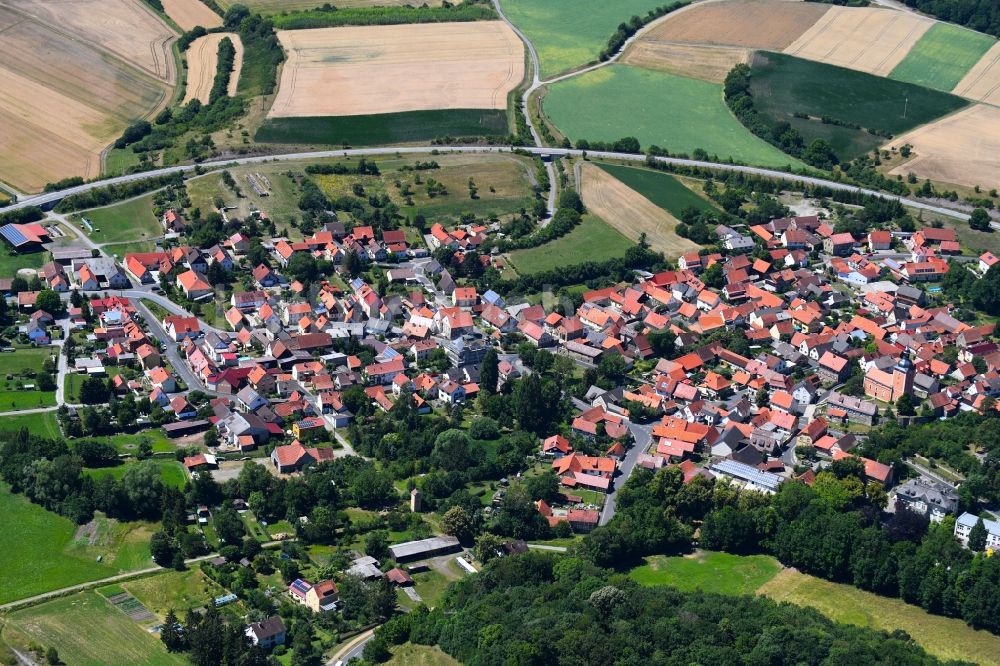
[52,197]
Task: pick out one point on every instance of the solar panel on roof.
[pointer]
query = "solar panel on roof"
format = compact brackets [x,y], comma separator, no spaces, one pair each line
[13,235]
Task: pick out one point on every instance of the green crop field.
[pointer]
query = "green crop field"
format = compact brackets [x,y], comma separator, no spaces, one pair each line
[570,33]
[719,573]
[383,128]
[42,425]
[673,112]
[942,56]
[87,630]
[37,558]
[592,240]
[661,188]
[784,85]
[131,220]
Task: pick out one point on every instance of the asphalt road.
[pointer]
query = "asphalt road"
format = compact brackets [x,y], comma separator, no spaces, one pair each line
[52,197]
[643,435]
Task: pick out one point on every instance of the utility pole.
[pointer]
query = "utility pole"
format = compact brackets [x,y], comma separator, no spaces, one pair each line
[905,104]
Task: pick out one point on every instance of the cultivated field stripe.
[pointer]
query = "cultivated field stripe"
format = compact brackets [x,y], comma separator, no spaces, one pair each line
[190,13]
[872,40]
[959,149]
[943,56]
[419,67]
[630,212]
[203,61]
[983,80]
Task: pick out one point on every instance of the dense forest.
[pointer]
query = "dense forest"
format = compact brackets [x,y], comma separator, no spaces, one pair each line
[981,15]
[837,529]
[541,609]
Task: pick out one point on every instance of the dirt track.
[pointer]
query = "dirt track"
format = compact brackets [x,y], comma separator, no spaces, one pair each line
[331,71]
[629,212]
[960,149]
[863,38]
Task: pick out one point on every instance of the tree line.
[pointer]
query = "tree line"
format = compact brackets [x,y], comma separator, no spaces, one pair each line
[634,25]
[538,608]
[329,16]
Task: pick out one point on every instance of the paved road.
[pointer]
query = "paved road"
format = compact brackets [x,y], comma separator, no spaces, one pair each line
[929,473]
[352,650]
[51,197]
[178,362]
[643,435]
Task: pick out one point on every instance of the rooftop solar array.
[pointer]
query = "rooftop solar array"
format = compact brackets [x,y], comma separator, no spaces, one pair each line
[12,234]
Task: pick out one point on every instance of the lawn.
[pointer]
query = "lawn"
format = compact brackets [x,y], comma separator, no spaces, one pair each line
[129,443]
[384,128]
[673,112]
[171,473]
[118,160]
[784,85]
[570,33]
[591,240]
[40,561]
[410,654]
[16,371]
[74,381]
[946,638]
[42,425]
[942,56]
[661,188]
[131,220]
[719,573]
[11,262]
[87,629]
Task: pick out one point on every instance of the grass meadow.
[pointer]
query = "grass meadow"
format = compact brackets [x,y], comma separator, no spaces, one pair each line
[591,240]
[171,473]
[719,573]
[177,590]
[13,377]
[784,85]
[942,56]
[87,630]
[722,573]
[383,128]
[36,559]
[673,112]
[661,188]
[44,424]
[131,220]
[411,654]
[570,33]
[118,160]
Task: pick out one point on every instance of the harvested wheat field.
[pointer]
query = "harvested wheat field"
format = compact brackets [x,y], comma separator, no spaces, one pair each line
[862,38]
[277,6]
[708,63]
[629,212]
[982,82]
[960,149]
[334,71]
[203,59]
[759,24]
[190,13]
[125,28]
[64,103]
